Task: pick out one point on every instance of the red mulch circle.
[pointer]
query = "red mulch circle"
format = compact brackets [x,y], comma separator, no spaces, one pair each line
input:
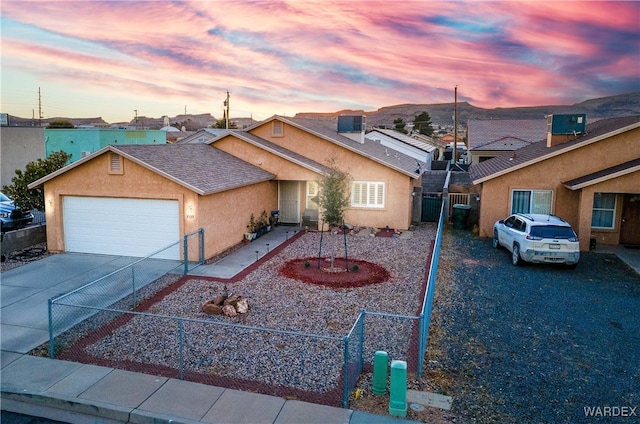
[367,273]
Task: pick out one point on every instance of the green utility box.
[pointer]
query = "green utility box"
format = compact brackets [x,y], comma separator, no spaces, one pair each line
[460,216]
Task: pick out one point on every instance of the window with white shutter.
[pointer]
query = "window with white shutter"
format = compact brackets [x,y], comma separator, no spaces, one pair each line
[367,194]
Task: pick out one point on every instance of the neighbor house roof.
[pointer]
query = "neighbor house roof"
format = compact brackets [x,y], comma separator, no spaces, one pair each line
[278,151]
[199,167]
[328,130]
[538,152]
[603,175]
[403,138]
[504,134]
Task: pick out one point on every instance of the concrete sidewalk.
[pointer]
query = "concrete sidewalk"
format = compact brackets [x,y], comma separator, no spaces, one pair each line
[79,393]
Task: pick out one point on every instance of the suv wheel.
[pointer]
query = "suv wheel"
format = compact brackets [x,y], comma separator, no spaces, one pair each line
[515,255]
[496,242]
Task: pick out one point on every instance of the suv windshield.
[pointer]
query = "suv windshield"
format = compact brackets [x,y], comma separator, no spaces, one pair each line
[552,231]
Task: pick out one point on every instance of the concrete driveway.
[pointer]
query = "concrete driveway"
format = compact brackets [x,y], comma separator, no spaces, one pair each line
[25,291]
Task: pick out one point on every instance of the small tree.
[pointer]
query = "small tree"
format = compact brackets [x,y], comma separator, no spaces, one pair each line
[221,123]
[60,123]
[422,123]
[333,197]
[399,124]
[24,198]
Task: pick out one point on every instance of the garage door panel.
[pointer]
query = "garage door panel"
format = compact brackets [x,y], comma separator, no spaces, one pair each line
[116,226]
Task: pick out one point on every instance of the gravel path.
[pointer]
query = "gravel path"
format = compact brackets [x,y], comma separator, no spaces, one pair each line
[533,344]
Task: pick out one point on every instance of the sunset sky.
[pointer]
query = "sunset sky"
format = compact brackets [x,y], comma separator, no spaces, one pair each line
[109,58]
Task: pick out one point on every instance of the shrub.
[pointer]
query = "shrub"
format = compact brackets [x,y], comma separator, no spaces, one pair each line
[354,268]
[307,264]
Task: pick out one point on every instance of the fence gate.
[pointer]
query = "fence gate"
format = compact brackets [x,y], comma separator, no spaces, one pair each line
[431,205]
[457,199]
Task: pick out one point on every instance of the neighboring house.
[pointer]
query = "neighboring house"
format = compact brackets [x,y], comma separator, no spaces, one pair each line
[402,143]
[18,147]
[131,200]
[591,178]
[81,142]
[435,142]
[487,139]
[203,136]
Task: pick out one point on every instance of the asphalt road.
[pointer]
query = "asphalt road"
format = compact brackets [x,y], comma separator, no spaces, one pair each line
[538,343]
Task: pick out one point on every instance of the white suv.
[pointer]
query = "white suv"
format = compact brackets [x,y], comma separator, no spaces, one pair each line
[537,238]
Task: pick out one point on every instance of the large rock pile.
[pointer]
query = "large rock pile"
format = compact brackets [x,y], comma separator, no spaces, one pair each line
[228,305]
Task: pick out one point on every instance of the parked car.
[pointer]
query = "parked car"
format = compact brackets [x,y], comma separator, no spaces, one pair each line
[537,238]
[12,218]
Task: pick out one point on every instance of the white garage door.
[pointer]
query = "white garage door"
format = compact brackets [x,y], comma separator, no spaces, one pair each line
[125,227]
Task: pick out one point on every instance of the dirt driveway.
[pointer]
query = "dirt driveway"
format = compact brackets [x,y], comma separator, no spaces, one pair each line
[534,344]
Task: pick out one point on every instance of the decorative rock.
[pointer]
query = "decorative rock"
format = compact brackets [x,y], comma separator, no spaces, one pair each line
[210,308]
[229,311]
[218,300]
[232,300]
[242,307]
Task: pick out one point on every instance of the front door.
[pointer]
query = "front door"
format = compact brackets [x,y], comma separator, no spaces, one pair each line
[630,228]
[289,202]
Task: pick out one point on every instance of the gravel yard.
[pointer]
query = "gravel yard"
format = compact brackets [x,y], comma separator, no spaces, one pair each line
[306,363]
[533,344]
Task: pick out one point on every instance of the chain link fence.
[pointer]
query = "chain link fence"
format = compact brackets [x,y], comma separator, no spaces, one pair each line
[118,321]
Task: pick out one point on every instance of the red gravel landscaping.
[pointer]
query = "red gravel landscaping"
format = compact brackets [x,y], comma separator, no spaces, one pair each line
[306,270]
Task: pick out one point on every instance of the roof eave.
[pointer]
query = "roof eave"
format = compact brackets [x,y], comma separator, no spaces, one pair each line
[558,152]
[603,178]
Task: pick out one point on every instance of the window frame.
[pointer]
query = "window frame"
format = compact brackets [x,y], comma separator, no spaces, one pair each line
[367,202]
[531,200]
[613,211]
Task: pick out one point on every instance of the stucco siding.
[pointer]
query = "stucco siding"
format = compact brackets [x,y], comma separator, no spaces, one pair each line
[549,174]
[93,180]
[224,216]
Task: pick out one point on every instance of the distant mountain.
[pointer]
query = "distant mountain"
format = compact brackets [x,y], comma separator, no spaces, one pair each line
[442,114]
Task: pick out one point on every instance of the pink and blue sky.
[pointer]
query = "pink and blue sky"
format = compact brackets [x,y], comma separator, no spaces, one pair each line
[109,58]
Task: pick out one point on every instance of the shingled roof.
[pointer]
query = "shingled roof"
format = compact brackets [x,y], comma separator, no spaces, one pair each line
[199,167]
[504,134]
[539,151]
[278,151]
[328,130]
[603,175]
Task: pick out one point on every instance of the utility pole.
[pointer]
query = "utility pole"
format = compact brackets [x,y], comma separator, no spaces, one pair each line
[39,108]
[455,126]
[135,111]
[226,104]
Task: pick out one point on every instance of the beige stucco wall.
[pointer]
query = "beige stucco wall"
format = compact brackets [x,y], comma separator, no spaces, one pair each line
[629,183]
[399,187]
[223,216]
[549,175]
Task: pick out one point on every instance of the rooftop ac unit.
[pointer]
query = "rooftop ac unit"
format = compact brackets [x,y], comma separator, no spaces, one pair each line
[567,124]
[350,123]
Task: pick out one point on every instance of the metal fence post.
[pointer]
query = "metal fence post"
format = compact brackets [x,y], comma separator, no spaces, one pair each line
[362,314]
[201,246]
[345,389]
[181,336]
[422,345]
[186,255]
[133,284]
[51,342]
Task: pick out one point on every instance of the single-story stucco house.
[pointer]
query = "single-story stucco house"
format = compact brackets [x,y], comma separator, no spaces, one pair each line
[590,177]
[132,200]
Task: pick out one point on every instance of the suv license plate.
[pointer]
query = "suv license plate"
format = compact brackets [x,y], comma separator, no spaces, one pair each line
[554,246]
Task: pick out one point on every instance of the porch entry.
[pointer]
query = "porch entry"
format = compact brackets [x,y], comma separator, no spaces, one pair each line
[630,227]
[289,202]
